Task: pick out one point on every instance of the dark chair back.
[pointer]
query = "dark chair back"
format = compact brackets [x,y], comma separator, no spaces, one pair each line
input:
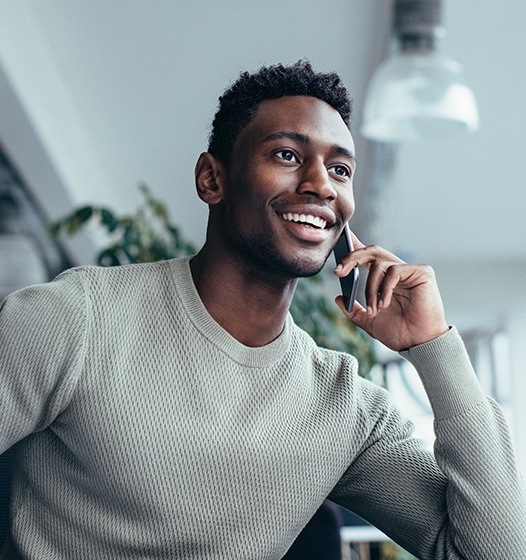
[5,490]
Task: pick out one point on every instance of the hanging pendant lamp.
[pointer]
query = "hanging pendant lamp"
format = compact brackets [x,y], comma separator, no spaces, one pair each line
[418,93]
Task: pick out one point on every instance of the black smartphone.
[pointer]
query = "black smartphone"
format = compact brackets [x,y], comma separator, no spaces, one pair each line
[349,284]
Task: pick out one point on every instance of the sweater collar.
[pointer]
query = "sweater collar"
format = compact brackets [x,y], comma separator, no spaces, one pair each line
[263,356]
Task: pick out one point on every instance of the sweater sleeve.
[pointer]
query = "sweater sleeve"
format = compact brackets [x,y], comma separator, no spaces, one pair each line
[467,500]
[43,333]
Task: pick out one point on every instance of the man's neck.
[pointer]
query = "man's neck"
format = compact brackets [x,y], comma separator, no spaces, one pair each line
[251,307]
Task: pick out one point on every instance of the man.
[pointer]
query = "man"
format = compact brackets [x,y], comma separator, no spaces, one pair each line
[173,410]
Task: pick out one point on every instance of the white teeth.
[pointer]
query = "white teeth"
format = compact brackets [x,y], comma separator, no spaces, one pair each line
[315,221]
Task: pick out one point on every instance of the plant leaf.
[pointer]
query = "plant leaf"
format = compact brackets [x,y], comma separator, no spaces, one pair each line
[109,257]
[108,219]
[83,214]
[54,229]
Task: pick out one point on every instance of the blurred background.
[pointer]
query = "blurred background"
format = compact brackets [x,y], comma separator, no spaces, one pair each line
[98,96]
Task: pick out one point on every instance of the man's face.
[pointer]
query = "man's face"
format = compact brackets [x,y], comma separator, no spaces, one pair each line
[290,186]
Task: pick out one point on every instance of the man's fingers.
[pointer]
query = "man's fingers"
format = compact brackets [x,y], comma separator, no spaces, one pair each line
[385,272]
[358,316]
[374,280]
[391,279]
[368,254]
[381,282]
[357,244]
[356,313]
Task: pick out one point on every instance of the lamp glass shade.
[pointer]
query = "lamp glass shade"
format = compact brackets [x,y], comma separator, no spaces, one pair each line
[418,95]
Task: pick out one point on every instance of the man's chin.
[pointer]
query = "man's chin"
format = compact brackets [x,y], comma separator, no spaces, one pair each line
[297,267]
[268,259]
[305,270]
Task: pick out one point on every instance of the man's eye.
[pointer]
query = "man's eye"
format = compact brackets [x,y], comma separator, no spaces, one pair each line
[340,170]
[287,155]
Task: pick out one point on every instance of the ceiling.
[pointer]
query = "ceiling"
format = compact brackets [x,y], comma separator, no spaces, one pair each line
[98,96]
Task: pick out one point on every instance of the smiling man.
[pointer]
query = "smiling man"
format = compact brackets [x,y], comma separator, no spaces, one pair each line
[277,208]
[174,409]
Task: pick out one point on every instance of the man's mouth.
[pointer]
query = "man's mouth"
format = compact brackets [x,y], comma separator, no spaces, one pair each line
[307,219]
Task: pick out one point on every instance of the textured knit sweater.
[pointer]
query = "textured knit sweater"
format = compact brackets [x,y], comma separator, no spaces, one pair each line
[141,429]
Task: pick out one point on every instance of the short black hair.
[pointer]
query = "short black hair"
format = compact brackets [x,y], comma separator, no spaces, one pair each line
[239,103]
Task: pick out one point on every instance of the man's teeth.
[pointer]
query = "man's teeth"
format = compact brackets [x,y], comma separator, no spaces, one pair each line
[315,221]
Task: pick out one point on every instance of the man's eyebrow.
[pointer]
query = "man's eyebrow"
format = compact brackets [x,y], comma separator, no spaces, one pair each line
[344,152]
[290,135]
[303,139]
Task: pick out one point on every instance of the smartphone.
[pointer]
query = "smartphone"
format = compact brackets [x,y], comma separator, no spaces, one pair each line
[349,284]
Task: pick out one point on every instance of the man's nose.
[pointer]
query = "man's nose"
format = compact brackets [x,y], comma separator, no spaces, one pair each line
[316,180]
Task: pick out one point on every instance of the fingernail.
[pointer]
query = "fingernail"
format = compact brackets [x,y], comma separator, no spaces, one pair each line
[369,310]
[338,268]
[381,303]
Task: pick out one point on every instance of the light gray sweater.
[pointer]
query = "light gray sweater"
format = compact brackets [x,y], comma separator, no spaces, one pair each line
[141,429]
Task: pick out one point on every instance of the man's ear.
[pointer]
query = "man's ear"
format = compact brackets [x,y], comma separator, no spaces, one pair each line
[210,178]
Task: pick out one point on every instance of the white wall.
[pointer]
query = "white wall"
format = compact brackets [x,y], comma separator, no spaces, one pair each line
[40,101]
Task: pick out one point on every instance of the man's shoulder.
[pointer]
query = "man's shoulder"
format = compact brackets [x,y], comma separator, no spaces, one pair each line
[124,270]
[123,276]
[116,285]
